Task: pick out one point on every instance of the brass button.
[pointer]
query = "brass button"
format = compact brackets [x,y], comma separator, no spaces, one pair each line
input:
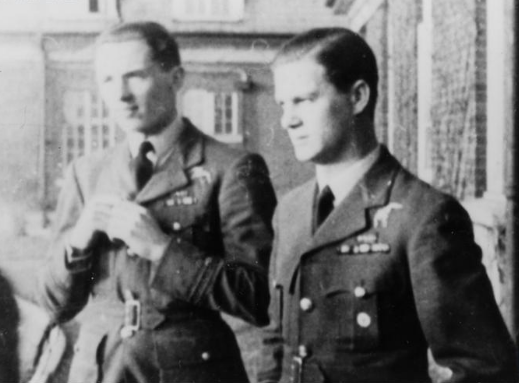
[176,226]
[303,351]
[127,332]
[206,356]
[363,320]
[306,304]
[359,292]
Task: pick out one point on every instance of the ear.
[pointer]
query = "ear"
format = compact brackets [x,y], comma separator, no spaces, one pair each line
[360,94]
[177,75]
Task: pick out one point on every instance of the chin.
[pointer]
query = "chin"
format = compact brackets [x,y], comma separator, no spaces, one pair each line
[303,157]
[129,126]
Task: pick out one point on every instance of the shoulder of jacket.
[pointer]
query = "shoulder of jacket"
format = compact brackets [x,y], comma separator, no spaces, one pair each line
[421,195]
[292,199]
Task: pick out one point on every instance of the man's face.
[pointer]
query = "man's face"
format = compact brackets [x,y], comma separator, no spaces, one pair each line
[139,94]
[317,117]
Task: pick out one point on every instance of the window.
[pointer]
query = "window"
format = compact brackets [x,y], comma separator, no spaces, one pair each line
[425,46]
[212,10]
[215,113]
[73,9]
[87,127]
[498,104]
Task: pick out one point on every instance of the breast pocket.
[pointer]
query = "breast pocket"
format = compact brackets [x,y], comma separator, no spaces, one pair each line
[194,343]
[356,309]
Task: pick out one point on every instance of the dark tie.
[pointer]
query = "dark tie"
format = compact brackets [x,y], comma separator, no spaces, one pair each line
[324,206]
[143,165]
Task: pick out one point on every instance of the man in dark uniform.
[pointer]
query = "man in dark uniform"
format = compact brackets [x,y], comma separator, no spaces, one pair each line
[158,235]
[371,266]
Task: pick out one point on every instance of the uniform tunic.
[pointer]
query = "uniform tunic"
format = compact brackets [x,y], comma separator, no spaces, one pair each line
[393,270]
[216,204]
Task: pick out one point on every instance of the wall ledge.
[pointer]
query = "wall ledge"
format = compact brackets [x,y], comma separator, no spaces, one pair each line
[488,211]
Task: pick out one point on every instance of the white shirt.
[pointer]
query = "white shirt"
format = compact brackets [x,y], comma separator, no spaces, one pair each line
[344,180]
[163,143]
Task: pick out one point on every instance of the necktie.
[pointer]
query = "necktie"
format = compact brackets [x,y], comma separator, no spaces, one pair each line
[143,165]
[324,206]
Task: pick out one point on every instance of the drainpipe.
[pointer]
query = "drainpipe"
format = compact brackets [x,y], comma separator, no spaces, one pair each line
[512,229]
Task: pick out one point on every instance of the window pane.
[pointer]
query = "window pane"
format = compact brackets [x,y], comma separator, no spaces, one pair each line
[224,10]
[93,6]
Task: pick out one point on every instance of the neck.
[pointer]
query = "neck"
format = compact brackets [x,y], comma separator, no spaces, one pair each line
[161,141]
[356,152]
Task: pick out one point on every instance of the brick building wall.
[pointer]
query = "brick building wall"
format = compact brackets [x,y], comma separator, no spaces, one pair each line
[458,110]
[403,18]
[375,33]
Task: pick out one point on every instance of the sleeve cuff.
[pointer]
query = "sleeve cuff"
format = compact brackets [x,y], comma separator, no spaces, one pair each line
[77,260]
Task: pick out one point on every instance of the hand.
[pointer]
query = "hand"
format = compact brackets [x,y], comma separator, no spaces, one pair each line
[94,218]
[135,226]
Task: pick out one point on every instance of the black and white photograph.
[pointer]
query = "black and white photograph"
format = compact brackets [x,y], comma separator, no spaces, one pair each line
[259,191]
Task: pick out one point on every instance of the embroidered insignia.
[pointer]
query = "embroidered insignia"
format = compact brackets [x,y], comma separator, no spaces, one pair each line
[380,248]
[382,215]
[199,172]
[364,248]
[181,198]
[367,238]
[344,249]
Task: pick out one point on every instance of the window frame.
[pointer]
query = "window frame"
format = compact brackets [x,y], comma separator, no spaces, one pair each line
[180,11]
[207,123]
[87,101]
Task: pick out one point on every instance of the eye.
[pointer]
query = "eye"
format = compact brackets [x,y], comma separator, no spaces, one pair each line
[106,79]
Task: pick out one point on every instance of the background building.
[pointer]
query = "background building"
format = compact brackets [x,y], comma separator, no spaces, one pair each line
[446,107]
[445,101]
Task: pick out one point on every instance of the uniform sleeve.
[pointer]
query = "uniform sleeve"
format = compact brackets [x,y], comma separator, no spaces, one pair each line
[454,299]
[64,281]
[235,282]
[271,354]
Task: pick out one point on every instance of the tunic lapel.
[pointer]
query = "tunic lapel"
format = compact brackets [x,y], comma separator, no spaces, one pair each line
[352,216]
[116,177]
[173,175]
[299,224]
[344,221]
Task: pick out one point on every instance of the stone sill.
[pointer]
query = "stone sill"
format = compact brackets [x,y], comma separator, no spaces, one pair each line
[489,211]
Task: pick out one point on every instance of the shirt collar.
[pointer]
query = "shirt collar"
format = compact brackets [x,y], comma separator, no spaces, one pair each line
[163,143]
[344,180]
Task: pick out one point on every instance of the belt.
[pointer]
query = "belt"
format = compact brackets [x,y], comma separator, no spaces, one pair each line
[132,315]
[135,314]
[304,370]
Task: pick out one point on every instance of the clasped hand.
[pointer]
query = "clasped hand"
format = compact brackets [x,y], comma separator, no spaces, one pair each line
[123,220]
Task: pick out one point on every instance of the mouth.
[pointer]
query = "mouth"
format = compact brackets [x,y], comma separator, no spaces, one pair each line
[298,139]
[128,111]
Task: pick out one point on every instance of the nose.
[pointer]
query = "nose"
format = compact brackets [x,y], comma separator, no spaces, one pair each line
[289,118]
[120,90]
[126,94]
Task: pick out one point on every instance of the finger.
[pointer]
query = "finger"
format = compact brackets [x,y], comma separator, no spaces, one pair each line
[130,206]
[134,214]
[116,229]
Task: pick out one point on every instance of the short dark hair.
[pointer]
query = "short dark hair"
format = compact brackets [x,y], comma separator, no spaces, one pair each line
[163,46]
[344,54]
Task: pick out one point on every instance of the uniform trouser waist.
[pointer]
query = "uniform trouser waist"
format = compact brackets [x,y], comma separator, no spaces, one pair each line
[116,313]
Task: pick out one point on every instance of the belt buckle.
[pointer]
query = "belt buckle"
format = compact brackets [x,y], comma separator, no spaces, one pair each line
[296,367]
[132,317]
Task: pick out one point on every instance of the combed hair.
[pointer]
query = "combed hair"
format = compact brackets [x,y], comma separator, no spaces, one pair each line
[344,54]
[163,46]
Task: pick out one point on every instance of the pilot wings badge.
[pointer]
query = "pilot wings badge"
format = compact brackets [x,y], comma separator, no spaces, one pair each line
[200,173]
[381,216]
